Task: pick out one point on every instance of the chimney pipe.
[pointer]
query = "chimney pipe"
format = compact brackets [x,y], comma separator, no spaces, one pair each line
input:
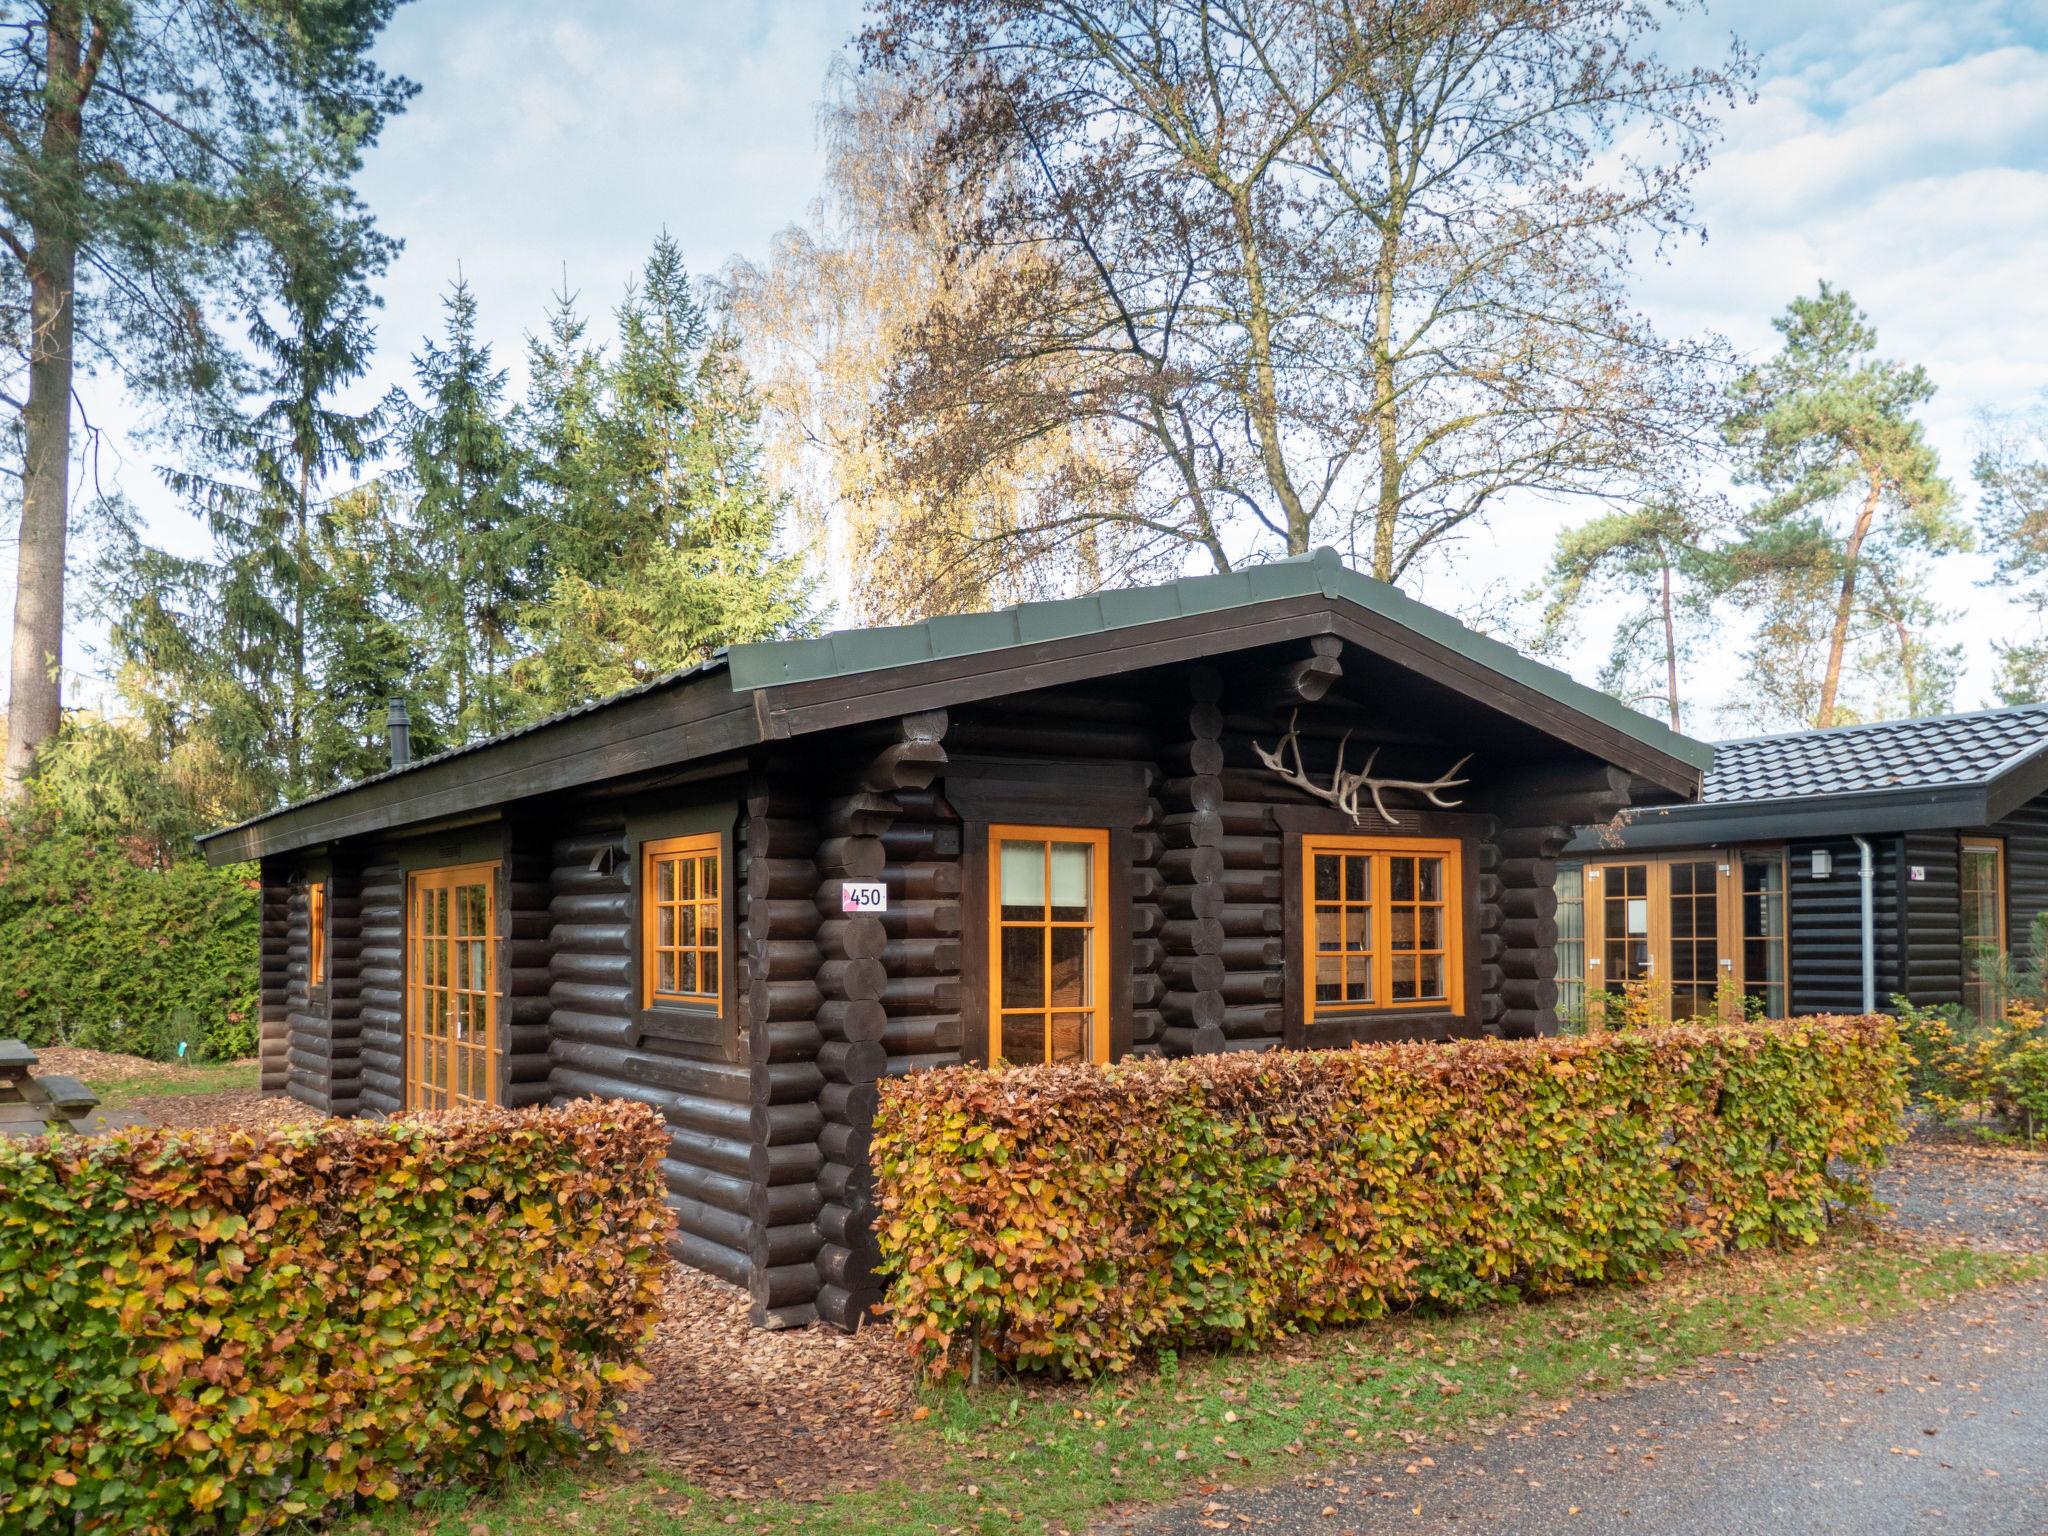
[398,723]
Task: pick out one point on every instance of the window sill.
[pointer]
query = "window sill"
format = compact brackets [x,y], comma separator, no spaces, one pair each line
[1335,1031]
[677,1024]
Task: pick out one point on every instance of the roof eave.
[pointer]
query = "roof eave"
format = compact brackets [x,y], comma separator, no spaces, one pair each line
[1864,811]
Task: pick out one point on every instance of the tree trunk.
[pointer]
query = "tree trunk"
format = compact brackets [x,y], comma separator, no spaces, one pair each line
[1845,606]
[1670,652]
[35,702]
[1386,517]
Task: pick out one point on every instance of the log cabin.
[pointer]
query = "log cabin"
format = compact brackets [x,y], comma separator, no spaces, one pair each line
[1286,807]
[1823,871]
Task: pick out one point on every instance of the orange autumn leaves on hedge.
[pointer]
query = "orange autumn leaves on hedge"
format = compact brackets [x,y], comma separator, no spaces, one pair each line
[223,1332]
[1080,1217]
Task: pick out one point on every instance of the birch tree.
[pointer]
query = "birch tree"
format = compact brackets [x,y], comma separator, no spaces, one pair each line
[1347,271]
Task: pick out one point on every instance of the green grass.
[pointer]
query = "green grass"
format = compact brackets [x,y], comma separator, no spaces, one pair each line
[1055,1458]
[178,1078]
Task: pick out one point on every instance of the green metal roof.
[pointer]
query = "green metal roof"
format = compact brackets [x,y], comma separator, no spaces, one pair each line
[772,664]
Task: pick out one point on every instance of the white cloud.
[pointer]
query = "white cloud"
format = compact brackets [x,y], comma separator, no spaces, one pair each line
[1900,150]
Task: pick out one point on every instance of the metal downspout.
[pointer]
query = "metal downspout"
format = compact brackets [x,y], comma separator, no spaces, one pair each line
[1869,873]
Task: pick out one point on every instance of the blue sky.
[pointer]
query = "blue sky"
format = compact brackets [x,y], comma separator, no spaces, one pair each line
[1900,150]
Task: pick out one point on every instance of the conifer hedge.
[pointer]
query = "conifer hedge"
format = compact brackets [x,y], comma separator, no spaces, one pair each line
[101,950]
[1078,1217]
[213,1331]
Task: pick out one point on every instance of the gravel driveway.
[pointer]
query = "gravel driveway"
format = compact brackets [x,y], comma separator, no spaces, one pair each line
[1938,1423]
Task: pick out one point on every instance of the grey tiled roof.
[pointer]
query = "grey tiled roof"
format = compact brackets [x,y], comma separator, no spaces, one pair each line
[1943,752]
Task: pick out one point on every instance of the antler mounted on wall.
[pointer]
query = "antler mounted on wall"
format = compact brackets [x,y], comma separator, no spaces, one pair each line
[1342,790]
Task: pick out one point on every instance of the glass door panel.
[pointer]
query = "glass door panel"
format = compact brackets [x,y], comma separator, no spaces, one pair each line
[1763,933]
[1695,945]
[1625,953]
[451,997]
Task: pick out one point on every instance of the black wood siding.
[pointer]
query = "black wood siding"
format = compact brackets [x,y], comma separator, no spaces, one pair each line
[1934,926]
[1824,918]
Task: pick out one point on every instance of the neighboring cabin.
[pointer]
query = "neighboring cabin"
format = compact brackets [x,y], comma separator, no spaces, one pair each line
[1084,830]
[1760,882]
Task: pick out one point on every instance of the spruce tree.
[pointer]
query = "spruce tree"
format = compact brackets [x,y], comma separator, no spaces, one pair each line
[463,469]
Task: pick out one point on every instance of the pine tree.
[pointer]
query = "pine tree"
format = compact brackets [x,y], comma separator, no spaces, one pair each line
[1830,434]
[1659,557]
[2012,478]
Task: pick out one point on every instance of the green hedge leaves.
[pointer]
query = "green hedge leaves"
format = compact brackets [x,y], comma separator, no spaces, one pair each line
[209,1331]
[101,950]
[1079,1217]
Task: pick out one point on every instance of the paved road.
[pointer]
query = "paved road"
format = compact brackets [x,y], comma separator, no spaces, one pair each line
[1937,1424]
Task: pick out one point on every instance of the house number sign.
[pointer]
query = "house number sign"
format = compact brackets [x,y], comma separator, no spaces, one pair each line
[863,896]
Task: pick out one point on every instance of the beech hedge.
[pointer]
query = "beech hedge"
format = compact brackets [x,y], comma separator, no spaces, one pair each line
[1079,1217]
[219,1331]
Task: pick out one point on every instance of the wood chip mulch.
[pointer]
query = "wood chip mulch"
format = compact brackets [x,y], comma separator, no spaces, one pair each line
[748,1413]
[108,1066]
[243,1110]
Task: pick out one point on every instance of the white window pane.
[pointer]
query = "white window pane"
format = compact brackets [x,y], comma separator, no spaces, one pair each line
[1070,871]
[1023,875]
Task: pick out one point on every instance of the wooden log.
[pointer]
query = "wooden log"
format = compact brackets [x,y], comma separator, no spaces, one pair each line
[1193,936]
[1254,953]
[855,980]
[851,858]
[1529,902]
[1249,922]
[1529,964]
[914,842]
[1529,995]
[910,919]
[1176,1041]
[1246,987]
[852,938]
[1183,901]
[1192,973]
[1253,1019]
[1191,829]
[924,1035]
[1191,866]
[1242,852]
[781,879]
[1201,793]
[1192,1010]
[1201,758]
[922,957]
[928,882]
[913,995]
[852,1061]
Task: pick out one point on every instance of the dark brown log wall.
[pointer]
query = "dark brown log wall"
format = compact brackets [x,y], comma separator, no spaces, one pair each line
[273,1027]
[382,1009]
[788,1027]
[596,1049]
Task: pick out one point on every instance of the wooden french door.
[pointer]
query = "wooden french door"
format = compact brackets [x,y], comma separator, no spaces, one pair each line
[1667,921]
[451,993]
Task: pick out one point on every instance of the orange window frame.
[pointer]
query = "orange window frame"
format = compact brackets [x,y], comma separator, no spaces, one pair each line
[1097,840]
[316,934]
[1378,904]
[451,987]
[677,925]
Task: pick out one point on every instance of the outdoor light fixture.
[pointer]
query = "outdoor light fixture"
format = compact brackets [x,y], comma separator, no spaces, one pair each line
[1823,864]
